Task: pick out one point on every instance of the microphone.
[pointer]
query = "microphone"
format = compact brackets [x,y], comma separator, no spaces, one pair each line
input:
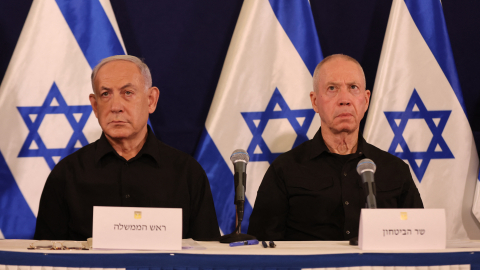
[240,159]
[366,169]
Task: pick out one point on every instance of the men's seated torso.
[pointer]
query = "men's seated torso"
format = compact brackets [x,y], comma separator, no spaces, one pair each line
[127,166]
[159,176]
[314,192]
[310,193]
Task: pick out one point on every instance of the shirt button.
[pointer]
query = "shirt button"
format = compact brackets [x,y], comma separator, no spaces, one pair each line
[347,203]
[347,232]
[126,164]
[359,153]
[344,173]
[127,196]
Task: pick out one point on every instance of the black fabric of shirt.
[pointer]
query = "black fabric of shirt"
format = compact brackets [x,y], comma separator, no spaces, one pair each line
[309,193]
[95,175]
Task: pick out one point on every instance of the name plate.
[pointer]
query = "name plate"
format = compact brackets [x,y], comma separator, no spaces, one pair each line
[137,228]
[390,229]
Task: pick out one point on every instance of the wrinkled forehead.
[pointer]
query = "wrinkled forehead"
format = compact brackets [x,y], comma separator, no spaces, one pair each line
[340,70]
[121,66]
[118,71]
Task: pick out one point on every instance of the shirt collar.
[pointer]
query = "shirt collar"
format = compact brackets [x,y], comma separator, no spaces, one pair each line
[149,148]
[319,146]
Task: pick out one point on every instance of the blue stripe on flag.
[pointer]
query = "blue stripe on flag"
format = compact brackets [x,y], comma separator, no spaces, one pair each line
[221,183]
[150,125]
[17,220]
[297,20]
[92,29]
[429,19]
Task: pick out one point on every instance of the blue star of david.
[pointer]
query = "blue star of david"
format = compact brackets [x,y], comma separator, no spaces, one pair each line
[437,139]
[48,108]
[270,113]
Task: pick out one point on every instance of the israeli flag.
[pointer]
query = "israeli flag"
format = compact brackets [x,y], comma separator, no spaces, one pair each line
[417,112]
[262,102]
[46,113]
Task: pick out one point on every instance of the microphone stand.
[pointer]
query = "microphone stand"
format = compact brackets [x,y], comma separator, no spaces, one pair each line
[370,193]
[370,204]
[237,235]
[240,159]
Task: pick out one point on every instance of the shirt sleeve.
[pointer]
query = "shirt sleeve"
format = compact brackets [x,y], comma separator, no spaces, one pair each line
[52,218]
[203,223]
[269,217]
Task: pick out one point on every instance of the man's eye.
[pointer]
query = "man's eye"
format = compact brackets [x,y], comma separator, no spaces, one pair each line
[354,87]
[331,88]
[104,94]
[128,93]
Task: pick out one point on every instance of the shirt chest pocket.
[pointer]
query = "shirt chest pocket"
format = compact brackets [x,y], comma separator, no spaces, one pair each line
[307,185]
[312,195]
[388,193]
[387,186]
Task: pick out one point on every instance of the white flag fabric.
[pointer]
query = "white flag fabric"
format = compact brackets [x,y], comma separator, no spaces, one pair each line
[417,112]
[261,103]
[476,200]
[46,113]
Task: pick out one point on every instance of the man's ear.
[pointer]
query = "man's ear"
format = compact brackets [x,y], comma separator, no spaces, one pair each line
[367,98]
[153,95]
[93,101]
[313,99]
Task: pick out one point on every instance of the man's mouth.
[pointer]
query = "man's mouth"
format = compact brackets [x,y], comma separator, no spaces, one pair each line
[344,115]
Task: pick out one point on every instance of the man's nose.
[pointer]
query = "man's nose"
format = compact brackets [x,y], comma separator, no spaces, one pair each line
[117,103]
[344,97]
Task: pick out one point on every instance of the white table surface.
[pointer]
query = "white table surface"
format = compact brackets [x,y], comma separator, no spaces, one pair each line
[283,248]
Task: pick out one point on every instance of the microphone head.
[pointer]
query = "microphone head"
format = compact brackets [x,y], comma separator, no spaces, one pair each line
[366,164]
[239,155]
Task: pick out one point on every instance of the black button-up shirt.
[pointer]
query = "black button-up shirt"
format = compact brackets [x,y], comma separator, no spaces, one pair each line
[158,176]
[310,193]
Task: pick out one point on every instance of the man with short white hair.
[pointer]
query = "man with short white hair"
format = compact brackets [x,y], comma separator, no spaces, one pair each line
[127,166]
[313,192]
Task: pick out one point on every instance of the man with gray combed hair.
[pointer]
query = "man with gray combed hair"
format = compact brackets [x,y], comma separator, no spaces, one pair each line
[144,70]
[128,166]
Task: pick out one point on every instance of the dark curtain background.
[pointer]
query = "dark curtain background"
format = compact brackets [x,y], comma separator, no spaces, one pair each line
[184,43]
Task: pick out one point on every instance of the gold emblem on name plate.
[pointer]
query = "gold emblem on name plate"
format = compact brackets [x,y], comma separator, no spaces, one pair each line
[403,216]
[137,214]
